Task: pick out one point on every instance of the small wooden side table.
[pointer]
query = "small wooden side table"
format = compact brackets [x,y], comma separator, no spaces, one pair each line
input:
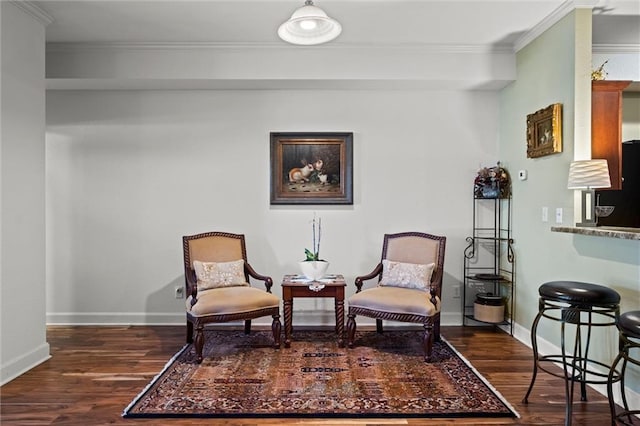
[297,286]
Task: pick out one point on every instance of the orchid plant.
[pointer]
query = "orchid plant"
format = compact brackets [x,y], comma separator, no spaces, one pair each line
[314,254]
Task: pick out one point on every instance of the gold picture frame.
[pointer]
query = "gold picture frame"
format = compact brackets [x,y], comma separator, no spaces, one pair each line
[544,131]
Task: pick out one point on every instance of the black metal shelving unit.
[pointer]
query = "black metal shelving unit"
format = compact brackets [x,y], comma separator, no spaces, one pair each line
[489,261]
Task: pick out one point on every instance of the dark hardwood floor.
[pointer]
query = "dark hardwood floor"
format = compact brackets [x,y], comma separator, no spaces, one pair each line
[95,372]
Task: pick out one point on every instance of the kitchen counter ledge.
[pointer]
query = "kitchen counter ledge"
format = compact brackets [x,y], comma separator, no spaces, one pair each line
[601,231]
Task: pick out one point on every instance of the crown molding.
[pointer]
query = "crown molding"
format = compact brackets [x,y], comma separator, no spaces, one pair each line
[34,11]
[616,49]
[422,47]
[560,12]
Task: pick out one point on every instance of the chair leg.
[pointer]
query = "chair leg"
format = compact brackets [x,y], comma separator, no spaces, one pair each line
[276,328]
[189,332]
[379,325]
[247,326]
[351,329]
[199,344]
[427,342]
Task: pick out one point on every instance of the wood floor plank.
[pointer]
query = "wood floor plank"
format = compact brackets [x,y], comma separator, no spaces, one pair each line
[95,372]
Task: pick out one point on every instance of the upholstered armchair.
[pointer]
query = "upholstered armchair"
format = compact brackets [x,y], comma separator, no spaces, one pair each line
[409,286]
[218,288]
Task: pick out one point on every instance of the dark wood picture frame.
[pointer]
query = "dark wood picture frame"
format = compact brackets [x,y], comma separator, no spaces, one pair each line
[544,131]
[311,168]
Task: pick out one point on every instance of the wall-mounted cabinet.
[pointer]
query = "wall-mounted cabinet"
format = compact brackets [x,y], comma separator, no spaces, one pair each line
[606,125]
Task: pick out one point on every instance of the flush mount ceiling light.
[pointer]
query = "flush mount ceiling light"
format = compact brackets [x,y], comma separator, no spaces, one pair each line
[309,25]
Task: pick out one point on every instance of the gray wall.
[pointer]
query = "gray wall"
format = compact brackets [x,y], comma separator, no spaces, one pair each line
[130,172]
[22,193]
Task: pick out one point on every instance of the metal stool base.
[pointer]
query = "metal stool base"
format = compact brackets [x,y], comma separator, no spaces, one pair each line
[577,367]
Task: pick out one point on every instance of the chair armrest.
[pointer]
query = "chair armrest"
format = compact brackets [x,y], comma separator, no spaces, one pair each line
[192,286]
[435,287]
[268,282]
[359,280]
[433,296]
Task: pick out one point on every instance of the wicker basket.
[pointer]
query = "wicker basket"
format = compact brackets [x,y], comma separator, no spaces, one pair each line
[488,308]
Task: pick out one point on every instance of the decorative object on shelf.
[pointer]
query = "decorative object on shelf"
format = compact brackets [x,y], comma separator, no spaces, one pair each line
[313,267]
[311,168]
[488,308]
[492,182]
[544,131]
[599,73]
[309,25]
[588,175]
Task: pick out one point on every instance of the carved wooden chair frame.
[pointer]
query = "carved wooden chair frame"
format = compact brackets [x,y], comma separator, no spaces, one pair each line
[198,322]
[430,324]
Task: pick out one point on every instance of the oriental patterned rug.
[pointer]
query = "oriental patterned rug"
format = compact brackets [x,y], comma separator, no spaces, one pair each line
[383,376]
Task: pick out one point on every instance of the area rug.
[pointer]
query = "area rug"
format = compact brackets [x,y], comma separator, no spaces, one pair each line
[383,376]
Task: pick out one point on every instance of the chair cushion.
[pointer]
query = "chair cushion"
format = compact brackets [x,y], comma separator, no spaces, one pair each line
[231,300]
[629,324]
[395,300]
[219,274]
[576,292]
[406,275]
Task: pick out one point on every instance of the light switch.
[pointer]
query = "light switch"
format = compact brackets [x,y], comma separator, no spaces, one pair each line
[559,215]
[545,214]
[522,175]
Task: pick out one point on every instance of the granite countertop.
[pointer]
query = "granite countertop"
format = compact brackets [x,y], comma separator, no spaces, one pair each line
[601,231]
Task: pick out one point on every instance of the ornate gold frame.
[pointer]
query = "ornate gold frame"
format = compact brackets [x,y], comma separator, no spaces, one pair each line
[544,131]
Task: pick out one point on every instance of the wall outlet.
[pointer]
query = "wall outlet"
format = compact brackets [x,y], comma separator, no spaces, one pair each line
[559,215]
[179,292]
[522,175]
[456,292]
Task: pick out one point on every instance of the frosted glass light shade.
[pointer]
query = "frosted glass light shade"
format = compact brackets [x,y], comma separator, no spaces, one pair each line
[309,25]
[589,174]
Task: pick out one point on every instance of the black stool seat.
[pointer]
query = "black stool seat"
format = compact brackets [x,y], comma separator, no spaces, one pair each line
[629,324]
[576,292]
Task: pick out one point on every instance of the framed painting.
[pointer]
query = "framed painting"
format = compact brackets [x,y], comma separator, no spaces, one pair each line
[544,131]
[311,168]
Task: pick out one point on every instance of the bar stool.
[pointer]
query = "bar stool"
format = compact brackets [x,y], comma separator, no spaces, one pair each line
[629,328]
[584,306]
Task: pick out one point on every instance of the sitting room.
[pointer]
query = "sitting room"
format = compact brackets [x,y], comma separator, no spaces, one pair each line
[133,129]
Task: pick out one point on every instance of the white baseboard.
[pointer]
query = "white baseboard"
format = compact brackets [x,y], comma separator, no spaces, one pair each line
[24,363]
[115,319]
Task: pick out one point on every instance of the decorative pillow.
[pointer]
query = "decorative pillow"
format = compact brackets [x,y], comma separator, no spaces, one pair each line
[406,275]
[219,274]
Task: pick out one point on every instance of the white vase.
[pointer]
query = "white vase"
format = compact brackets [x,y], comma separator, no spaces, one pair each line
[314,269]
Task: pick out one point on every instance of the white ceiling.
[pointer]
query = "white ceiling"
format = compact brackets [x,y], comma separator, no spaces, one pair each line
[497,23]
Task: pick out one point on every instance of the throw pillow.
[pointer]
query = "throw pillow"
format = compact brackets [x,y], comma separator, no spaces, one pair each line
[406,275]
[219,274]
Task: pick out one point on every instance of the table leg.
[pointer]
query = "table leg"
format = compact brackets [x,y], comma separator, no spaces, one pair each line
[288,322]
[340,322]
